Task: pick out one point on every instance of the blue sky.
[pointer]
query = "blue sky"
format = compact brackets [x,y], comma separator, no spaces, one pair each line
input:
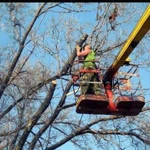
[82,18]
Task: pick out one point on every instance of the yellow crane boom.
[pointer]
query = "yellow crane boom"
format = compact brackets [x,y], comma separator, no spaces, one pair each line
[141,28]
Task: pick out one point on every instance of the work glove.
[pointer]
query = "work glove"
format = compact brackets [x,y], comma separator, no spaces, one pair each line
[78,47]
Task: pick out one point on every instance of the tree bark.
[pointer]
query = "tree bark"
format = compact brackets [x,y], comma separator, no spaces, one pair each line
[35,117]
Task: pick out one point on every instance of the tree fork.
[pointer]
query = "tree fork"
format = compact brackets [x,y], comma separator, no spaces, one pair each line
[30,124]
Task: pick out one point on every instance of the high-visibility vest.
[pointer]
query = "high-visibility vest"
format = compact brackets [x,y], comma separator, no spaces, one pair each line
[90,57]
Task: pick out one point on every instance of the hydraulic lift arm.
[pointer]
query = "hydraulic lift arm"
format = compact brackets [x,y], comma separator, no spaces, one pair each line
[135,37]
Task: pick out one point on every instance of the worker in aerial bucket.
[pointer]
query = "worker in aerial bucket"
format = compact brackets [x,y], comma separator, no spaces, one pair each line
[88,55]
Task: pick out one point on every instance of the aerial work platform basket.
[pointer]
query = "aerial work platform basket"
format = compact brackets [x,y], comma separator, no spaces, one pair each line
[121,99]
[92,104]
[97,104]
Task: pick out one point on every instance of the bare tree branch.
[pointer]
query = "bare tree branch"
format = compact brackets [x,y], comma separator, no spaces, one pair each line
[21,47]
[30,124]
[114,132]
[79,132]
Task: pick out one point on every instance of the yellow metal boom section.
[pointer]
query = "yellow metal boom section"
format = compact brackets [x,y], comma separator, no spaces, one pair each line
[135,37]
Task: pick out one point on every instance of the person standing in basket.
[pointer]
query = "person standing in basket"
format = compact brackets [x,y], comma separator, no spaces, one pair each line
[88,55]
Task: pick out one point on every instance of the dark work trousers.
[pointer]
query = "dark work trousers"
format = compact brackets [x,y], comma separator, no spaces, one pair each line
[90,88]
